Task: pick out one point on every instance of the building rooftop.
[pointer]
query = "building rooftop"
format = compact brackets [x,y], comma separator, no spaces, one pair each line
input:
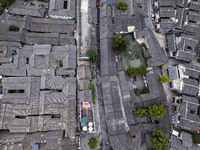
[62,9]
[50,25]
[163,3]
[39,60]
[158,57]
[31,104]
[189,117]
[171,44]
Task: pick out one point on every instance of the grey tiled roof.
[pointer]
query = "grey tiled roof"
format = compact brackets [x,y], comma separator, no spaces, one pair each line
[170,40]
[158,56]
[166,3]
[192,71]
[167,24]
[50,25]
[195,6]
[173,73]
[56,8]
[35,102]
[168,12]
[27,10]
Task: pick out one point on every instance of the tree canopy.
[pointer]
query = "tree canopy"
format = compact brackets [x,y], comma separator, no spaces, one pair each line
[158,140]
[141,112]
[93,143]
[132,72]
[157,110]
[119,43]
[92,54]
[121,5]
[165,78]
[4,4]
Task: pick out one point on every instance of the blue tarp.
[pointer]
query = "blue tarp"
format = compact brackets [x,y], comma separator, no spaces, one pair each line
[108,2]
[82,124]
[35,147]
[84,119]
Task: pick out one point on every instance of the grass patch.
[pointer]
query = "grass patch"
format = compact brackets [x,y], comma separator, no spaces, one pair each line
[133,56]
[92,88]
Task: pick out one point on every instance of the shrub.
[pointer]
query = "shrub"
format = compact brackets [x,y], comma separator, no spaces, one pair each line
[121,5]
[164,66]
[198,60]
[93,143]
[195,138]
[132,72]
[158,140]
[13,28]
[157,31]
[60,64]
[137,92]
[142,70]
[144,45]
[41,5]
[119,43]
[92,88]
[145,90]
[141,112]
[165,78]
[156,110]
[32,3]
[92,54]
[74,18]
[1,10]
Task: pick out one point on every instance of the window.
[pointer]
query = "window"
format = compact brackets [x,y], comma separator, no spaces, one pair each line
[65,4]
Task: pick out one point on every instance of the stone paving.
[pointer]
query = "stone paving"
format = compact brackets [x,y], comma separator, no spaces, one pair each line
[139,82]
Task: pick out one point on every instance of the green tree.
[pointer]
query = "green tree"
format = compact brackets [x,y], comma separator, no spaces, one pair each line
[93,143]
[121,5]
[92,54]
[157,110]
[6,3]
[142,70]
[119,43]
[165,78]
[132,72]
[141,112]
[158,140]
